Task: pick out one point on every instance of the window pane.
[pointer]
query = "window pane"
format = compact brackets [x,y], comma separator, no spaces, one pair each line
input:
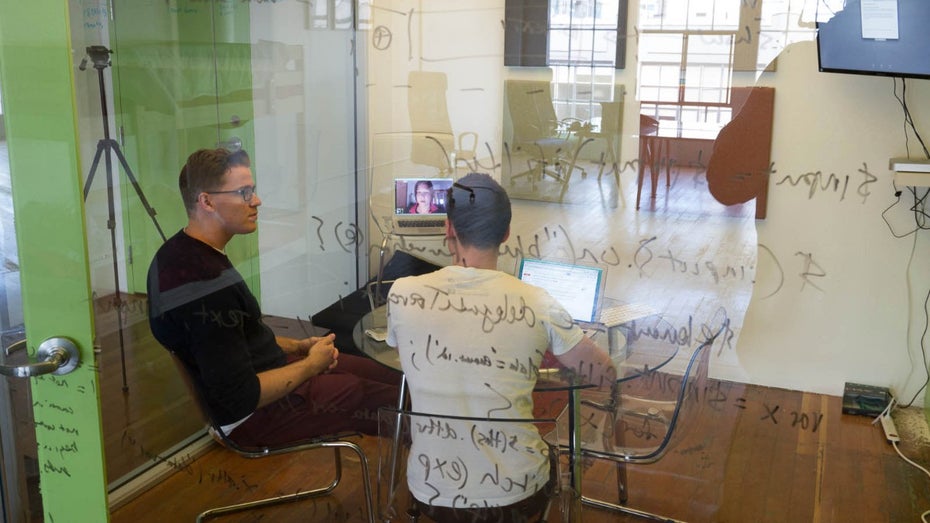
[660,48]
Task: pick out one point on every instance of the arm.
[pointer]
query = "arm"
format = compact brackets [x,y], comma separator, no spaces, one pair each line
[591,363]
[322,356]
[296,346]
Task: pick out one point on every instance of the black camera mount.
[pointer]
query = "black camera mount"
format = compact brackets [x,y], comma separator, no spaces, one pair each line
[99,54]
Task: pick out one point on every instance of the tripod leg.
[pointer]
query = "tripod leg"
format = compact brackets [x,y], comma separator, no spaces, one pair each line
[137,187]
[111,224]
[101,145]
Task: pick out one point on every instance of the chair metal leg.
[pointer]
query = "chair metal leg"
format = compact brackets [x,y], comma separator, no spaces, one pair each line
[622,493]
[322,491]
[627,510]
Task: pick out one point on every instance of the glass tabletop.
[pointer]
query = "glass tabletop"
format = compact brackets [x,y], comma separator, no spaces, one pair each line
[641,354]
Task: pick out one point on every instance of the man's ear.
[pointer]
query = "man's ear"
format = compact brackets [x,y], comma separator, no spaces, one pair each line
[450,230]
[203,201]
[506,234]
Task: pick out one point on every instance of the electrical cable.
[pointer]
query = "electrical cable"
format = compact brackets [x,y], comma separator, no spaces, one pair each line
[921,222]
[908,120]
[923,351]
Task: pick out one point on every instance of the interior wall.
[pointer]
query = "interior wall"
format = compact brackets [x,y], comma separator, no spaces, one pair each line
[833,286]
[839,292]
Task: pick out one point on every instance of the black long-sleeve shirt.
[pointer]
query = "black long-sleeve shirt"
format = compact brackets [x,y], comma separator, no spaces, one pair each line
[201,309]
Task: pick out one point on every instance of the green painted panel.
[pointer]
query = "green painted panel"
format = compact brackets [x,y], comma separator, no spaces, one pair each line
[182,81]
[38,97]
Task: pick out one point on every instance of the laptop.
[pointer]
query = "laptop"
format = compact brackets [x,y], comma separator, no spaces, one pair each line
[420,206]
[580,289]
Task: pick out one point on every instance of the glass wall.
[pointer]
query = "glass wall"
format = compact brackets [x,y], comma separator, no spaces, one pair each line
[158,81]
[689,148]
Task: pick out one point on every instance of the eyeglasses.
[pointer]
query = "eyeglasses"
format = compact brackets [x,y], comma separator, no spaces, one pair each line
[246,192]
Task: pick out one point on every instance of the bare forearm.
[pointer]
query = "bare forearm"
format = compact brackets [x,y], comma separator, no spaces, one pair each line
[321,356]
[279,382]
[289,345]
[591,363]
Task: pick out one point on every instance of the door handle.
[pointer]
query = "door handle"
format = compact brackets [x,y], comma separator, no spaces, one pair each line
[55,355]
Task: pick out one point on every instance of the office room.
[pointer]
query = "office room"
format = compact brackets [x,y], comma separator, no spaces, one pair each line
[758,224]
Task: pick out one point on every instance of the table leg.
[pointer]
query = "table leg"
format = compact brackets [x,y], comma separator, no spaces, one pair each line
[574,455]
[395,446]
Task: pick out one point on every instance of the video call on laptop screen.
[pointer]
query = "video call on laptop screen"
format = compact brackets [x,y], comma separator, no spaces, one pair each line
[412,194]
[575,287]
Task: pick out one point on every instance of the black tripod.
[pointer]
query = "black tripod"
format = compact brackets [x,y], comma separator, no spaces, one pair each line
[100,55]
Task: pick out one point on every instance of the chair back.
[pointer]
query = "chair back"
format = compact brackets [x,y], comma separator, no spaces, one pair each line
[212,427]
[431,128]
[532,115]
[648,126]
[611,118]
[466,458]
[654,410]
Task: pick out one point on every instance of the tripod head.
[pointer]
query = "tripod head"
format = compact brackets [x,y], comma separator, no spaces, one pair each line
[99,54]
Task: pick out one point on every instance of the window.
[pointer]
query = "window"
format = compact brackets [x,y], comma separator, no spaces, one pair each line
[586,45]
[686,61]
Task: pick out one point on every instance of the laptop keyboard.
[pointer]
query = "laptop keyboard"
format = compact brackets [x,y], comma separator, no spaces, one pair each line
[620,314]
[421,224]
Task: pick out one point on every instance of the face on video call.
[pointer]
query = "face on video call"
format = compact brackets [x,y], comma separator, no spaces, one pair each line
[423,194]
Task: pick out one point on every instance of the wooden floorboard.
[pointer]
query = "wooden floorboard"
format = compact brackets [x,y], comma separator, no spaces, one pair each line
[759,463]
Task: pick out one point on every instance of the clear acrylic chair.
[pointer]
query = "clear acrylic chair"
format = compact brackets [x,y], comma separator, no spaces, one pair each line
[639,425]
[456,453]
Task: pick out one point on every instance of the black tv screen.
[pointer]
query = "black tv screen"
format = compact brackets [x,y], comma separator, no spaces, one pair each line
[880,37]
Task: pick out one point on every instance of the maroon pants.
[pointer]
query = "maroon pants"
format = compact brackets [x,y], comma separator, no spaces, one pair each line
[346,399]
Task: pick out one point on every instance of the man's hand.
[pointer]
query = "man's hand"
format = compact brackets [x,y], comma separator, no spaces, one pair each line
[322,355]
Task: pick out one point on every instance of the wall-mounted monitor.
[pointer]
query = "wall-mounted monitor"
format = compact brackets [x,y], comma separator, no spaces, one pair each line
[877,37]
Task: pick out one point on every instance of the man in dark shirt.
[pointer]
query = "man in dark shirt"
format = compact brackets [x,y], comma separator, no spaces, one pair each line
[260,388]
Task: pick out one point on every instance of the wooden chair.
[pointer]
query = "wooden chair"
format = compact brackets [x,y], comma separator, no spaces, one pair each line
[651,147]
[639,430]
[453,437]
[334,442]
[739,166]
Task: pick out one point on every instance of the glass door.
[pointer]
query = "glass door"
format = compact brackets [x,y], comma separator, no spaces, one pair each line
[142,85]
[189,74]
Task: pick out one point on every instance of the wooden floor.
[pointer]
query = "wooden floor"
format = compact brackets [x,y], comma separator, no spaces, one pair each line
[754,454]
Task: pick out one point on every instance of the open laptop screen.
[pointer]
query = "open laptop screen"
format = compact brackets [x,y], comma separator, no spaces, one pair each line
[577,287]
[421,196]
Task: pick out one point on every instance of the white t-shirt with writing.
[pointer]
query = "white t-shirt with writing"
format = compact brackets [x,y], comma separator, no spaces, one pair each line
[471,342]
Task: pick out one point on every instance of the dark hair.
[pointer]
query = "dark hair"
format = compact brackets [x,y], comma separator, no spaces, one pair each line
[479,209]
[204,171]
[427,183]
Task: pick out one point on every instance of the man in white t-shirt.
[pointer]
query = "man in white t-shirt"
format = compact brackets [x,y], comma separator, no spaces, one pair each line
[471,340]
